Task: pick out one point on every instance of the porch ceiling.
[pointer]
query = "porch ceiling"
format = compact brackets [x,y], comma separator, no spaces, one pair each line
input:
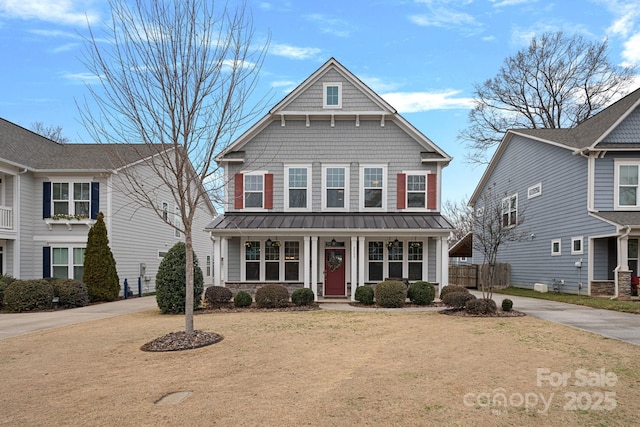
[330,221]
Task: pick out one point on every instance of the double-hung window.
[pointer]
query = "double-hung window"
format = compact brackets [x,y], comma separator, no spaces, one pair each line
[510,211]
[71,198]
[297,187]
[373,190]
[67,262]
[177,221]
[415,258]
[416,191]
[376,261]
[253,191]
[272,260]
[335,195]
[395,252]
[627,196]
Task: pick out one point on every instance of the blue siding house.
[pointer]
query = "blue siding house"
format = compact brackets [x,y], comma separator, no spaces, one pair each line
[575,195]
[331,190]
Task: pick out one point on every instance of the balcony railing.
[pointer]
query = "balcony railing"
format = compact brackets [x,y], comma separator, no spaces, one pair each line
[6,218]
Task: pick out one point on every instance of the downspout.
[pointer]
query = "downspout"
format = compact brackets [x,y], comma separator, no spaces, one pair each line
[623,236]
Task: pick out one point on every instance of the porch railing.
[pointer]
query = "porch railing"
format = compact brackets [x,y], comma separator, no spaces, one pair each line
[6,218]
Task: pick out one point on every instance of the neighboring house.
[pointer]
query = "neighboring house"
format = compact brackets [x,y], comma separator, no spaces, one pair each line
[573,195]
[331,190]
[461,252]
[50,195]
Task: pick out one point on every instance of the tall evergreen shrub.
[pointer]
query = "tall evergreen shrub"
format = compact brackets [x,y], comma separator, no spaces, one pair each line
[100,273]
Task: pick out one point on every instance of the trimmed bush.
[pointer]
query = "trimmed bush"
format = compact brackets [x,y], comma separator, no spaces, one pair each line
[457,300]
[507,304]
[421,293]
[5,281]
[481,306]
[171,281]
[71,293]
[272,296]
[364,295]
[242,299]
[217,296]
[27,295]
[391,294]
[303,296]
[452,288]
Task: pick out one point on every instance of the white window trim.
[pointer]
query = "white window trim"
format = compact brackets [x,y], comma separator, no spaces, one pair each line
[324,95]
[347,179]
[509,197]
[253,173]
[177,222]
[281,261]
[616,186]
[164,208]
[70,265]
[424,173]
[559,242]
[309,168]
[71,201]
[536,190]
[405,258]
[385,179]
[577,239]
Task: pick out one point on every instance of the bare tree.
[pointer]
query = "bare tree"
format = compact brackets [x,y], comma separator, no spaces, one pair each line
[498,220]
[460,214]
[558,81]
[52,132]
[175,79]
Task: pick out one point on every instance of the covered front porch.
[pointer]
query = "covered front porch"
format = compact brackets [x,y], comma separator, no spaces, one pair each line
[333,255]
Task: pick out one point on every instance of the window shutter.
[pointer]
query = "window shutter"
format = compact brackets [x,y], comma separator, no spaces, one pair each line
[95,199]
[402,191]
[238,191]
[46,200]
[46,261]
[268,191]
[432,190]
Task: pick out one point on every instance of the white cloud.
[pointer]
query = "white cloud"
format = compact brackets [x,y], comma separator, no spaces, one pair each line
[631,51]
[65,47]
[414,102]
[293,52]
[333,26]
[446,14]
[379,85]
[81,78]
[502,3]
[67,12]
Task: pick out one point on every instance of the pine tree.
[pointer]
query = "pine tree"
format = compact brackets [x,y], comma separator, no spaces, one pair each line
[100,273]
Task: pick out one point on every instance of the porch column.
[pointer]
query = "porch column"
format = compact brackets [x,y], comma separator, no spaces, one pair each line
[361,260]
[217,262]
[354,266]
[623,276]
[306,269]
[314,266]
[443,264]
[224,259]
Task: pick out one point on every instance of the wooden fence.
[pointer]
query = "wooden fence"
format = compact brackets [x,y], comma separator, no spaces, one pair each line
[473,276]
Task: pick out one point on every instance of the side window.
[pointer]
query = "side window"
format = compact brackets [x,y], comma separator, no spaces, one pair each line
[332,95]
[510,211]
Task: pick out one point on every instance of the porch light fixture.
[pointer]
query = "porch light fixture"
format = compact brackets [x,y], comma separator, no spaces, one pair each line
[268,242]
[334,243]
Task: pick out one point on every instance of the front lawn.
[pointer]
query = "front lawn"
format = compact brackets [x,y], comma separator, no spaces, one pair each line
[604,303]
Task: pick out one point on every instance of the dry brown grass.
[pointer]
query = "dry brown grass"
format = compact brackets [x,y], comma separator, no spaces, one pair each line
[311,368]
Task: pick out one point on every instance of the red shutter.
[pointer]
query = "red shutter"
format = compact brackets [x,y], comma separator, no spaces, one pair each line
[238,191]
[432,190]
[268,191]
[402,191]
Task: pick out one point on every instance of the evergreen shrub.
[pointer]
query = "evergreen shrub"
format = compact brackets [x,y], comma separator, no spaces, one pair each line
[507,304]
[29,295]
[71,293]
[171,281]
[100,275]
[242,299]
[217,296]
[452,288]
[481,306]
[421,293]
[364,295]
[457,300]
[303,296]
[272,296]
[391,294]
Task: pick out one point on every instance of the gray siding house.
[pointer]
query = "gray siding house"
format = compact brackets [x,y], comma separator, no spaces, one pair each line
[576,194]
[331,190]
[51,194]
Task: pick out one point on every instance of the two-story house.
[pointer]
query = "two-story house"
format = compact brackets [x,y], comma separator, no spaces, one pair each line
[574,196]
[51,194]
[331,190]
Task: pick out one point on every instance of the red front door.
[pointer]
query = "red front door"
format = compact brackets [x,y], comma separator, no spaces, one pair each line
[334,284]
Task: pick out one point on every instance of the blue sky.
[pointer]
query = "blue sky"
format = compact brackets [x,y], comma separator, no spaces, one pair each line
[422,56]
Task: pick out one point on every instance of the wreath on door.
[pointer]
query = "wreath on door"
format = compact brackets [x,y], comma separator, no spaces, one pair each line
[334,262]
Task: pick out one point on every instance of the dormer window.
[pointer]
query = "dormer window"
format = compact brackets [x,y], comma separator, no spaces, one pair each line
[332,97]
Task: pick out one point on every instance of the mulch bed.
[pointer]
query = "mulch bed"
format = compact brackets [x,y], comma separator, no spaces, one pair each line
[176,341]
[499,313]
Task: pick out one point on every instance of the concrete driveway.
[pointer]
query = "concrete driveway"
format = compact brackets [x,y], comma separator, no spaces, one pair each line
[14,324]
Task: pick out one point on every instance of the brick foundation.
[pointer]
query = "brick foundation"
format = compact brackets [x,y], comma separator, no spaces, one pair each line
[624,283]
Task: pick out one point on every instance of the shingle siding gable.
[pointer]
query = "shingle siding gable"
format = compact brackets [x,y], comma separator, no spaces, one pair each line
[628,131]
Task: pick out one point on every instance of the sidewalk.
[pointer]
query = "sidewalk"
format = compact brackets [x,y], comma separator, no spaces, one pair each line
[14,324]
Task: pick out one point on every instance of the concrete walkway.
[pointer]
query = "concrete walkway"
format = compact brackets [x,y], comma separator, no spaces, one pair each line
[611,324]
[13,324]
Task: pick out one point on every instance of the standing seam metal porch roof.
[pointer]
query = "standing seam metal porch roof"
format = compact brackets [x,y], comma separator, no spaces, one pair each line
[330,221]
